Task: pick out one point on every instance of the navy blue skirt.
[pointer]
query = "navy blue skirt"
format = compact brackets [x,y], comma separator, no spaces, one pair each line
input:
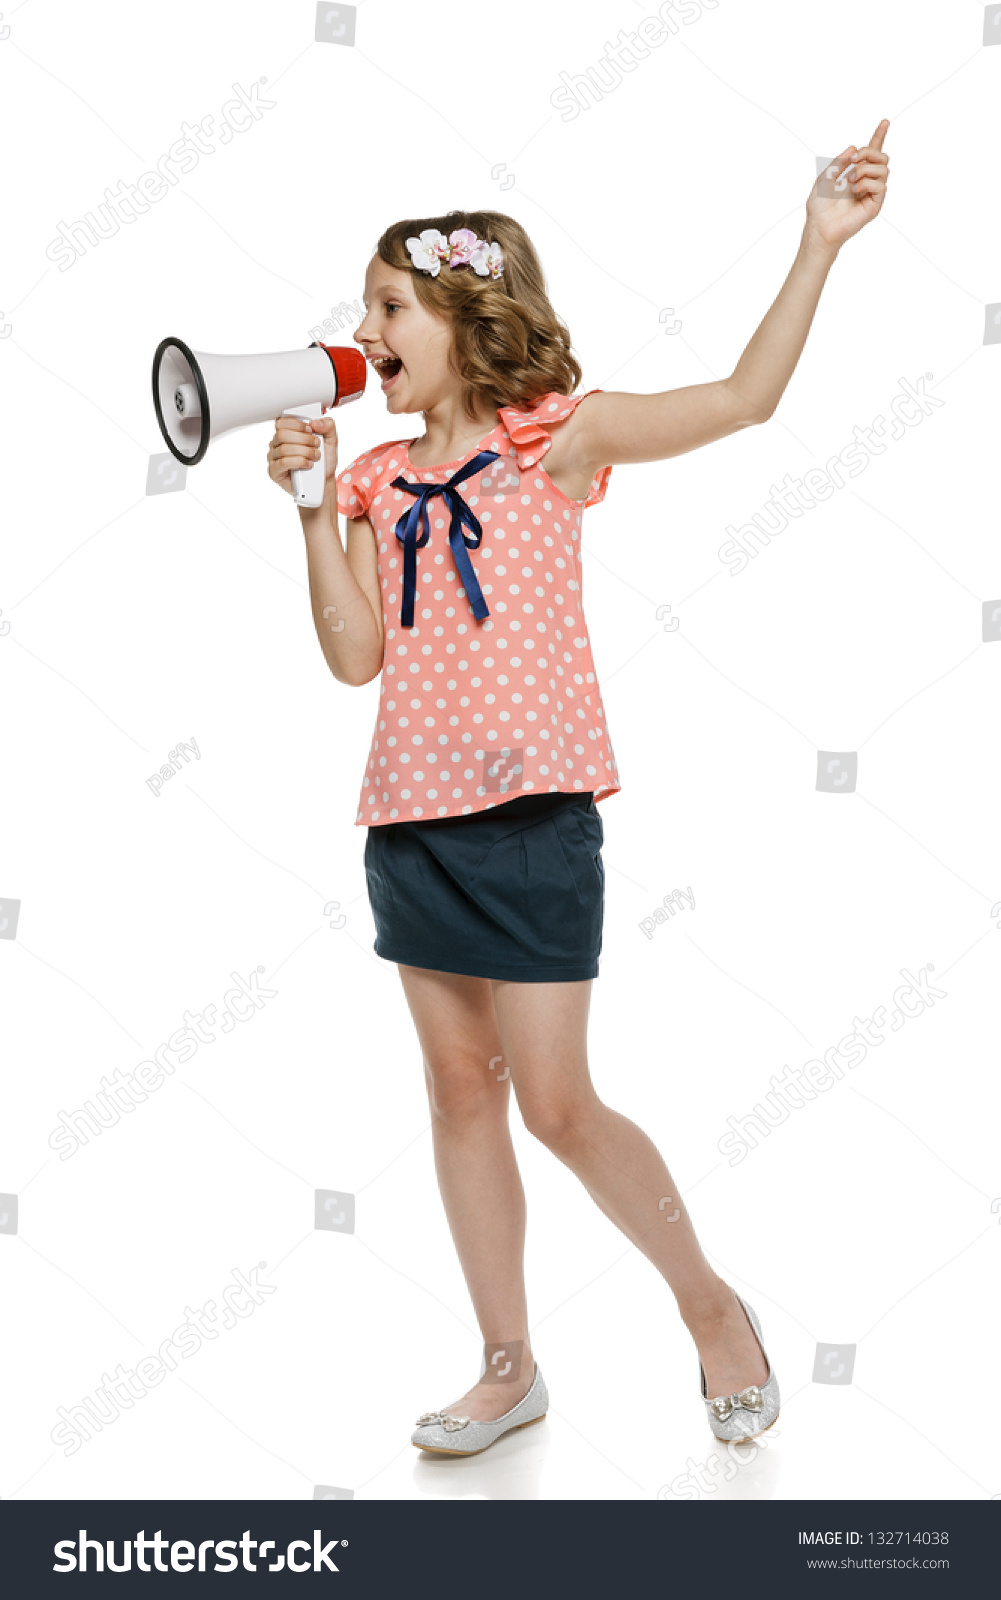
[515,892]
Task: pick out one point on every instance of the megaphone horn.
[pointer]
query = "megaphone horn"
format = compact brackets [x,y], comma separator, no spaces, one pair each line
[199,396]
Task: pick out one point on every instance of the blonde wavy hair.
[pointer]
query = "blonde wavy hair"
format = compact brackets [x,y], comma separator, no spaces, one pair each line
[509,346]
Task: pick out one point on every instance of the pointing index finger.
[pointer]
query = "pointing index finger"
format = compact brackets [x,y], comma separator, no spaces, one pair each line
[876,142]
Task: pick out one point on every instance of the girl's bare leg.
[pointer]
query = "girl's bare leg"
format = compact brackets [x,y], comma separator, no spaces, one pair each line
[543,1033]
[469,1093]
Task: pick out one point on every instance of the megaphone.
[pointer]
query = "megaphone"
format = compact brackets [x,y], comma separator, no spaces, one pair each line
[199,396]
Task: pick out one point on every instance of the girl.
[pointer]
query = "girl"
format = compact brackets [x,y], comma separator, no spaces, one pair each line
[490,752]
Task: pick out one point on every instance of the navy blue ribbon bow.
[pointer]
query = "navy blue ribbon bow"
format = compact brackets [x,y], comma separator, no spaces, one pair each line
[416,516]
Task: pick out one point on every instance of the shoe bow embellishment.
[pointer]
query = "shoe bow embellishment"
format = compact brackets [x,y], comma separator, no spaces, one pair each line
[750,1398]
[449,1423]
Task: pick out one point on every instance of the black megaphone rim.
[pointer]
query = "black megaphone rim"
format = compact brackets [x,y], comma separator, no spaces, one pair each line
[203,400]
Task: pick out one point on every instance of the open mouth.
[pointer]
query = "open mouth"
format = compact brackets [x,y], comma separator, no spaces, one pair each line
[388,368]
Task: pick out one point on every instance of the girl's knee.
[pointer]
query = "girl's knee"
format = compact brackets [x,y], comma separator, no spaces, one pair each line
[463,1088]
[556,1119]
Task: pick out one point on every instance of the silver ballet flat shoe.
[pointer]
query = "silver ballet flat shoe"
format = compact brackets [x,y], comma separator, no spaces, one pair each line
[753,1410]
[447,1435]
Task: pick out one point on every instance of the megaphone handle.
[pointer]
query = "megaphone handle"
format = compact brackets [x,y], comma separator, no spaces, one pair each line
[309,484]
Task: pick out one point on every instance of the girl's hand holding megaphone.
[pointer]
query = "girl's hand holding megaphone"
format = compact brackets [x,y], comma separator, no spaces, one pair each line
[295,447]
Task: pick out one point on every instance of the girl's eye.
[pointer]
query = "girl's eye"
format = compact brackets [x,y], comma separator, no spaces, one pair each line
[391,305]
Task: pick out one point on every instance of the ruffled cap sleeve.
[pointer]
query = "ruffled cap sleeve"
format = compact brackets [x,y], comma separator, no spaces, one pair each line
[529,432]
[358,483]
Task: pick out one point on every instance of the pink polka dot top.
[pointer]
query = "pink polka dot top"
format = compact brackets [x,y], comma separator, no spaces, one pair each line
[488,688]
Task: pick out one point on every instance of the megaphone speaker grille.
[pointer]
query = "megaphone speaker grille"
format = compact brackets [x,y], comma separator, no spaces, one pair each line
[181,400]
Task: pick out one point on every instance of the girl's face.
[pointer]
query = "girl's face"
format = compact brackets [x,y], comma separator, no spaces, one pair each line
[397,325]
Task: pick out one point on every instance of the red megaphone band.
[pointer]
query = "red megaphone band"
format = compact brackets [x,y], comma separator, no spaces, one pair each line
[350,370]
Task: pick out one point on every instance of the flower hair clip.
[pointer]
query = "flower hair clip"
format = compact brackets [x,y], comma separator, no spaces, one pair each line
[461,249]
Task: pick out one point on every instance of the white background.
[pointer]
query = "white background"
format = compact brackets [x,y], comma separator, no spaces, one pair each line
[136,621]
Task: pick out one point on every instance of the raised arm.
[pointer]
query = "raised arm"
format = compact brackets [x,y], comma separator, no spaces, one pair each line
[613,427]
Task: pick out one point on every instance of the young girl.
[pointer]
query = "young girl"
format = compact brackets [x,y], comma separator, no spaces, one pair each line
[461,584]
